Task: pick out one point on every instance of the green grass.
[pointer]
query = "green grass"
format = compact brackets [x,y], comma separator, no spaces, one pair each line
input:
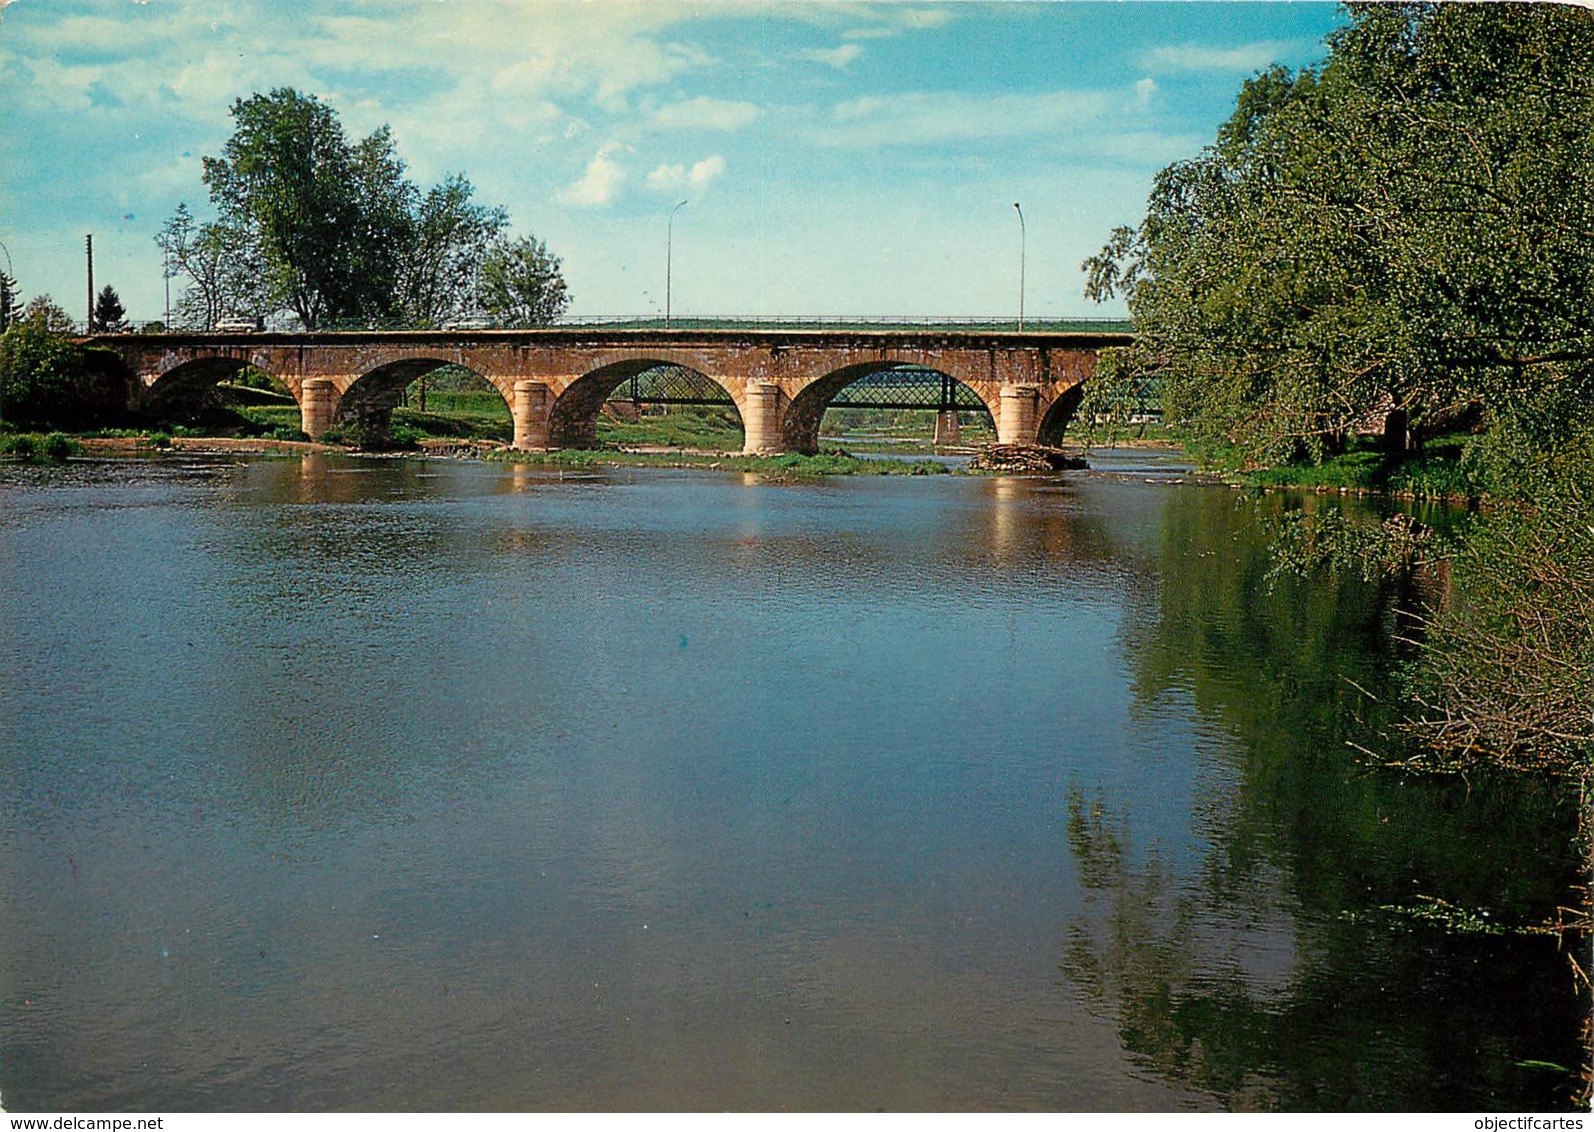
[1359,470]
[462,425]
[1436,472]
[711,430]
[471,403]
[37,448]
[267,418]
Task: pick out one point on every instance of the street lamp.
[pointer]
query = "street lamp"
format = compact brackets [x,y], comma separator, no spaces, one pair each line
[669,254]
[1023,238]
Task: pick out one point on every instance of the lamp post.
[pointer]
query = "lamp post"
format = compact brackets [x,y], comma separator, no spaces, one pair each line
[1023,238]
[669,256]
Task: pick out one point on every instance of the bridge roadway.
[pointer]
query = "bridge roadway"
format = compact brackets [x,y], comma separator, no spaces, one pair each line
[556,380]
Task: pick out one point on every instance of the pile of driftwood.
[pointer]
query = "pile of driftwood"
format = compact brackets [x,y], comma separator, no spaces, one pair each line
[1023,458]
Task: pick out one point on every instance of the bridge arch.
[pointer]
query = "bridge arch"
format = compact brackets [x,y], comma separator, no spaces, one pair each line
[573,417]
[1058,415]
[186,392]
[189,381]
[921,386]
[369,400]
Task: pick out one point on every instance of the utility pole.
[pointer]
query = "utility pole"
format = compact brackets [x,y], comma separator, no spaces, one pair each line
[88,242]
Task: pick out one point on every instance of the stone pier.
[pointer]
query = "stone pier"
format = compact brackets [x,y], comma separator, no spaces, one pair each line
[530,413]
[318,402]
[761,419]
[1016,421]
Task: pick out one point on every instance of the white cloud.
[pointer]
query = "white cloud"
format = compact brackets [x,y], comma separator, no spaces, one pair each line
[521,50]
[838,57]
[672,178]
[934,117]
[704,113]
[918,19]
[894,19]
[1199,57]
[599,184]
[1145,90]
[884,32]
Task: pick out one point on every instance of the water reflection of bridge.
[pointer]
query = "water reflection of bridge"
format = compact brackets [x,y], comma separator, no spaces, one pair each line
[556,381]
[1006,523]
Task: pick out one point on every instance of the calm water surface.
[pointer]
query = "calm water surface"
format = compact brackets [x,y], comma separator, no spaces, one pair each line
[429,785]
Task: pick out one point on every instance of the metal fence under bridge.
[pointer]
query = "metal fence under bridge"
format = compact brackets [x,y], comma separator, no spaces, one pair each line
[899,387]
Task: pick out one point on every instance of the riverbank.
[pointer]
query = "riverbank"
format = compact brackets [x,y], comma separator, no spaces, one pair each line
[1364,474]
[820,464]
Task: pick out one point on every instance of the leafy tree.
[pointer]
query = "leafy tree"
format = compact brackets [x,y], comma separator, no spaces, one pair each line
[109,314]
[450,237]
[327,228]
[324,212]
[45,314]
[48,379]
[1407,232]
[224,266]
[522,284]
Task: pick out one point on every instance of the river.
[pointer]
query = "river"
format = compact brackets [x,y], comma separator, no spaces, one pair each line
[408,784]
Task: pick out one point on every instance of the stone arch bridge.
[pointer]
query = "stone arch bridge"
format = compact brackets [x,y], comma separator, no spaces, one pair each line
[556,380]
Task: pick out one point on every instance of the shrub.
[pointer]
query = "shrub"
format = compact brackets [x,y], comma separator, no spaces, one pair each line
[58,446]
[22,446]
[402,436]
[46,379]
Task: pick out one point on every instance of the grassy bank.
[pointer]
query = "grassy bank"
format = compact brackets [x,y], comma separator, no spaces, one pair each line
[1436,472]
[34,447]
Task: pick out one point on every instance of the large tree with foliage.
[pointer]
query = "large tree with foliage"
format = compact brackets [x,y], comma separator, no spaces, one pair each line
[1407,230]
[450,237]
[327,213]
[522,284]
[329,229]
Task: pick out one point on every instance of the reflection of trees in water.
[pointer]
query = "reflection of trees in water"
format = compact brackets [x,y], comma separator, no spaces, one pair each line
[1187,1010]
[1280,971]
[1367,1011]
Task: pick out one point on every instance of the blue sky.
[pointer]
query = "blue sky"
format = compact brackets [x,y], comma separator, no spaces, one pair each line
[838,158]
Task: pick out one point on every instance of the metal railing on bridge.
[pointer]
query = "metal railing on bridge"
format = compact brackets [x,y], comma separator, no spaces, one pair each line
[839,323]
